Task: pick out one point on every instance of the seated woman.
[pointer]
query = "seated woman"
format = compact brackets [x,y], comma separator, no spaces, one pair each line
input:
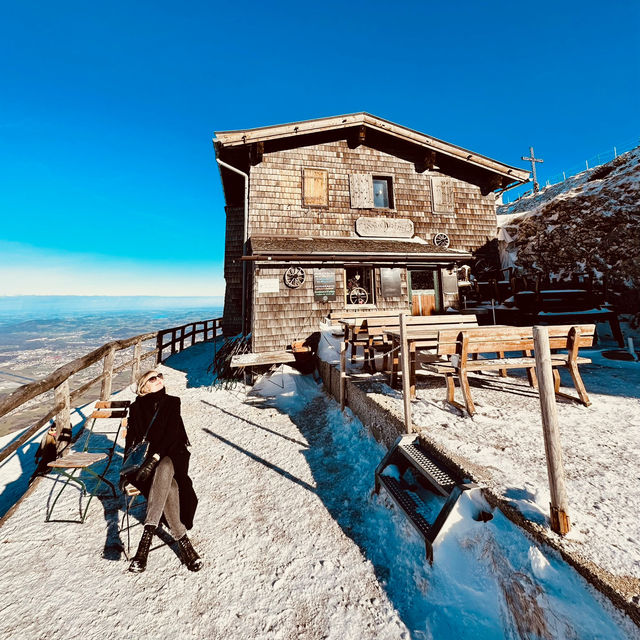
[164,477]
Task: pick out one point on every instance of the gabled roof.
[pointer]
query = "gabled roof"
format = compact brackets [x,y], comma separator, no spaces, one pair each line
[230,139]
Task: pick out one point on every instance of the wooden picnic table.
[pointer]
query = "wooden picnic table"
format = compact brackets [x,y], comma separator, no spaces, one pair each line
[424,340]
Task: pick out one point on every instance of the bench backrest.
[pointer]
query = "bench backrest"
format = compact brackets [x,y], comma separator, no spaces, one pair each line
[442,320]
[498,339]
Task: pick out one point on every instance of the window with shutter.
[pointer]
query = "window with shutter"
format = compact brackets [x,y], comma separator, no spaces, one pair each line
[443,195]
[361,189]
[315,188]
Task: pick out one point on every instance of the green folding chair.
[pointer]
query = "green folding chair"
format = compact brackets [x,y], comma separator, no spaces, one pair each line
[76,462]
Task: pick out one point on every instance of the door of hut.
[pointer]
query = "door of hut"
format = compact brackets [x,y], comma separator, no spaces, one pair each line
[424,294]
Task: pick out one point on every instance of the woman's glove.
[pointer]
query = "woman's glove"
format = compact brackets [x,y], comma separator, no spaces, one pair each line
[147,468]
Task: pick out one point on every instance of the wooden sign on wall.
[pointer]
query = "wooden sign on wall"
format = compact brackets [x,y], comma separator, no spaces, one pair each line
[384,227]
[324,284]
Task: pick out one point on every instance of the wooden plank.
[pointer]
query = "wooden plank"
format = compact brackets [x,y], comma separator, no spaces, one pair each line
[257,359]
[77,460]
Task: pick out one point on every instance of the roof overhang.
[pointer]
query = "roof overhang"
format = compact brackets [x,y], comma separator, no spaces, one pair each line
[349,250]
[239,138]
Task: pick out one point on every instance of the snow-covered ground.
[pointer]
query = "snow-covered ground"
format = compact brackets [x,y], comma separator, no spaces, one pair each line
[295,545]
[504,441]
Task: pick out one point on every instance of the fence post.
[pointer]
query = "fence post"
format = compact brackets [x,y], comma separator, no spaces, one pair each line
[182,338]
[173,341]
[343,373]
[406,383]
[105,392]
[63,417]
[159,341]
[135,368]
[193,334]
[559,502]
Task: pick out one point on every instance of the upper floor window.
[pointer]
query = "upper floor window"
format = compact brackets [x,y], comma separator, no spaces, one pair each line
[371,191]
[382,192]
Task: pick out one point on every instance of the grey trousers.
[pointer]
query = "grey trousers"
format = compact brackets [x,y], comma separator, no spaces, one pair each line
[165,498]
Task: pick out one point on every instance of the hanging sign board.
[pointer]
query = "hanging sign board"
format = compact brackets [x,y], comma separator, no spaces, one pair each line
[390,282]
[268,285]
[324,284]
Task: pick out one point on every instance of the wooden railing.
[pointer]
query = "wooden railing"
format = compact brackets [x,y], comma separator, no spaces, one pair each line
[58,381]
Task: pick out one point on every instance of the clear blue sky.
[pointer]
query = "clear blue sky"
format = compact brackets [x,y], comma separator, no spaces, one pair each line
[108,183]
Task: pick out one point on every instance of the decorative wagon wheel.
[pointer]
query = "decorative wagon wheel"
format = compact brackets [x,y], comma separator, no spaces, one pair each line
[358,295]
[441,240]
[294,277]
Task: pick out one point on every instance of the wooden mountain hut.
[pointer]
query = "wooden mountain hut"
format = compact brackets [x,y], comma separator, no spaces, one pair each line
[346,214]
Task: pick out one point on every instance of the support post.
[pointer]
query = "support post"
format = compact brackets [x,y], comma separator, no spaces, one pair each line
[105,392]
[174,333]
[135,368]
[193,334]
[63,418]
[406,383]
[159,341]
[559,501]
[343,373]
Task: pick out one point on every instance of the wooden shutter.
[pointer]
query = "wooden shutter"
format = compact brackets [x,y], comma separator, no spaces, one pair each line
[361,189]
[315,187]
[443,195]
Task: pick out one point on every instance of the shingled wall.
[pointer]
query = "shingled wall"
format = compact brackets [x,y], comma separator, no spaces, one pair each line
[275,199]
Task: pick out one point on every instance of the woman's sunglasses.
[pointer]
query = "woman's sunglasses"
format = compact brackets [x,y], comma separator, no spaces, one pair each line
[158,376]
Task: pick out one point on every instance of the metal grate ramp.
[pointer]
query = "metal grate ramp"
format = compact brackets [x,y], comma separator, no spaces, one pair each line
[407,454]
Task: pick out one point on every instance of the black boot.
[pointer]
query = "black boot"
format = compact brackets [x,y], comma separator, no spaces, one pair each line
[139,562]
[188,554]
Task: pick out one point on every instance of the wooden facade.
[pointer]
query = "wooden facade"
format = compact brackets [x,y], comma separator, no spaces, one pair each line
[355,196]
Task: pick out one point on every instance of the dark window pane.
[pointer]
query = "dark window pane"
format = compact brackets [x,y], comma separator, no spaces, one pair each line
[421,280]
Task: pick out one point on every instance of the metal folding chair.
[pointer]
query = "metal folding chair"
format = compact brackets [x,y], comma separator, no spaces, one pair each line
[84,460]
[131,494]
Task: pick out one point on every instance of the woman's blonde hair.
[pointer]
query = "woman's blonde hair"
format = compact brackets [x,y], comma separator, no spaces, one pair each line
[142,381]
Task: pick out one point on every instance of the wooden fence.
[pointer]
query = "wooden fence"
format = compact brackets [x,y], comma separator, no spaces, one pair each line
[58,381]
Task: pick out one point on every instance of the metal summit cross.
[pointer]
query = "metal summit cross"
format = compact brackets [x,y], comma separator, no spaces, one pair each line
[533,160]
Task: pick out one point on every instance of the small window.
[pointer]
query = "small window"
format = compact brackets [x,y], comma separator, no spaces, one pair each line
[382,192]
[371,192]
[315,188]
[360,287]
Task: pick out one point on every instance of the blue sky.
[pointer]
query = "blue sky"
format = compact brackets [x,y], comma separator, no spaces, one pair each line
[108,183]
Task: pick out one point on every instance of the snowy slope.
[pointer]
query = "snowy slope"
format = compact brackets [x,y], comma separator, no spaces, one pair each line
[587,223]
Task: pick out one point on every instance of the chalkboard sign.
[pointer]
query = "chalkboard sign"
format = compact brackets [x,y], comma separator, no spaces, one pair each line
[390,282]
[324,284]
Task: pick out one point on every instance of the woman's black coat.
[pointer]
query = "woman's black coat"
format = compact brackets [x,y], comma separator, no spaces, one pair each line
[167,437]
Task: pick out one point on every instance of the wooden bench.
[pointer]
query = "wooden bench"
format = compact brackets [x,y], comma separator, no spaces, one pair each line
[459,345]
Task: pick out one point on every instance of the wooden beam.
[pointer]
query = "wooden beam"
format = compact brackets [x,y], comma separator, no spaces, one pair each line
[256,153]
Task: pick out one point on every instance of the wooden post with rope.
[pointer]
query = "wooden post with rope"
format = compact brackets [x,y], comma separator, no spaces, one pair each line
[559,501]
[63,417]
[343,374]
[406,383]
[135,368]
[105,392]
